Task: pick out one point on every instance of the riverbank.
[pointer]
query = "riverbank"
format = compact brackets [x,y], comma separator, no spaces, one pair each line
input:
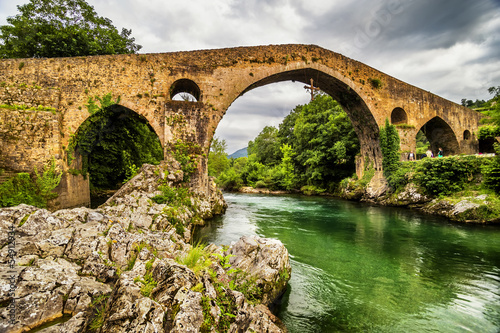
[471,207]
[129,266]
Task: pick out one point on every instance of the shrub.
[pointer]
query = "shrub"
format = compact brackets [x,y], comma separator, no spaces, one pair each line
[37,191]
[376,83]
[399,178]
[446,175]
[491,172]
[197,259]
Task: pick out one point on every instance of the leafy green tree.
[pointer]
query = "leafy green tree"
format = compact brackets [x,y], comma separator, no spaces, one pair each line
[217,157]
[266,146]
[389,144]
[62,28]
[324,142]
[286,169]
[286,128]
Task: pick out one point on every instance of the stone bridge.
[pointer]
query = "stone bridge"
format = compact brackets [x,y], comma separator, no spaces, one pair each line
[59,89]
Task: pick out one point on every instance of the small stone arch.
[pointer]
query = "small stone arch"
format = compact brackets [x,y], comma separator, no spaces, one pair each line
[467,135]
[186,86]
[399,116]
[441,135]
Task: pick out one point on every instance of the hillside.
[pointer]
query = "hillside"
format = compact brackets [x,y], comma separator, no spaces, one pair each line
[239,153]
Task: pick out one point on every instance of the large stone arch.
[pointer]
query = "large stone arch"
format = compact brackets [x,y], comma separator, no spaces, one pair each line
[348,95]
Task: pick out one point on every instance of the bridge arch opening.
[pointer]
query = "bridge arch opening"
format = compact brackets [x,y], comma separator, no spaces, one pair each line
[440,135]
[363,121]
[467,135]
[185,90]
[322,120]
[399,116]
[112,144]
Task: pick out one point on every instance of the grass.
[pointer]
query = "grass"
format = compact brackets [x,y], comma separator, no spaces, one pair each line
[197,259]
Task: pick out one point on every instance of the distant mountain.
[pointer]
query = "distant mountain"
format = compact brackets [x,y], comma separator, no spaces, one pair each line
[239,153]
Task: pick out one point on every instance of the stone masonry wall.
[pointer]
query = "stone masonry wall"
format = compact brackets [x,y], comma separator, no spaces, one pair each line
[145,82]
[28,139]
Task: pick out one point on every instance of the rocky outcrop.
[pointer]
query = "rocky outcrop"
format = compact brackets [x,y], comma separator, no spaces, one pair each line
[267,263]
[469,209]
[121,268]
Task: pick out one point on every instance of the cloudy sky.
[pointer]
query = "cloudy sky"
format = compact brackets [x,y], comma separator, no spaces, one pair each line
[449,47]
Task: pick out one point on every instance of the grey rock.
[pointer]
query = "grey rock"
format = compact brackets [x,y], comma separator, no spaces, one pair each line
[266,260]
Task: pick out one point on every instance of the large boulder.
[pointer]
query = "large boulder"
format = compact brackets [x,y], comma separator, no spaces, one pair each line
[266,261]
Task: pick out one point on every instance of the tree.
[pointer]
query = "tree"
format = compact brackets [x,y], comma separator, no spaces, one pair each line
[266,146]
[62,28]
[389,144]
[217,157]
[324,142]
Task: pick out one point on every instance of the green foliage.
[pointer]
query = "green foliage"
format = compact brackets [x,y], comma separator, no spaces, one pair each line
[311,190]
[286,172]
[232,178]
[376,83]
[36,191]
[491,172]
[105,102]
[266,146]
[446,175]
[148,284]
[113,142]
[186,154]
[217,157]
[400,177]
[246,284]
[98,307]
[197,259]
[48,180]
[488,132]
[422,143]
[319,157]
[492,111]
[61,28]
[389,144]
[315,145]
[16,107]
[175,196]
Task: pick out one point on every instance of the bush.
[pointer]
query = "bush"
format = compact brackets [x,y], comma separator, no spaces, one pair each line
[446,175]
[400,177]
[491,172]
[37,191]
[230,180]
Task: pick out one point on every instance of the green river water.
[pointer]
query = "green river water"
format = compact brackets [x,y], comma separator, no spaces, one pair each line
[362,268]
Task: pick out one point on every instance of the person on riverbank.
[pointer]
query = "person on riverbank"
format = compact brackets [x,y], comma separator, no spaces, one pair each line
[440,152]
[411,156]
[429,153]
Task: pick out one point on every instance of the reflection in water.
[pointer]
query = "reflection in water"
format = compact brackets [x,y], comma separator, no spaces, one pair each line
[373,269]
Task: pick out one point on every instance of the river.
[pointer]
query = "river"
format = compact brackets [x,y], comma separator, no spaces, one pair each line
[363,268]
